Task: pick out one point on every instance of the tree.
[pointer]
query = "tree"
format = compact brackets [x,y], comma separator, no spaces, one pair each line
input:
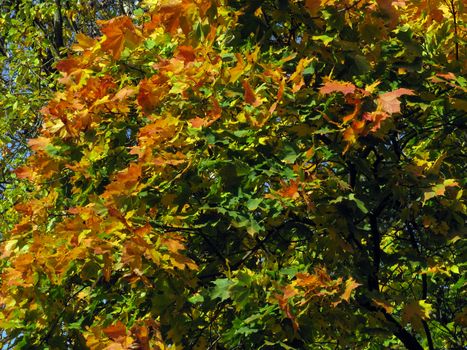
[33,37]
[246,174]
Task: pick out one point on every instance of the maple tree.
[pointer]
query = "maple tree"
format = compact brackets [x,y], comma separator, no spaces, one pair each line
[247,174]
[33,37]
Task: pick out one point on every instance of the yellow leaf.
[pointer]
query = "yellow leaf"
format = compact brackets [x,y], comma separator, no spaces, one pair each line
[416,311]
[372,87]
[383,304]
[350,285]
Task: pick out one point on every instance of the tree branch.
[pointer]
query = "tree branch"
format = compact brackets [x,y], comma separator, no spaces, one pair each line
[409,341]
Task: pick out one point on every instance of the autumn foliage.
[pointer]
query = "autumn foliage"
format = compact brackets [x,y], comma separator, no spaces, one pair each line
[250,175]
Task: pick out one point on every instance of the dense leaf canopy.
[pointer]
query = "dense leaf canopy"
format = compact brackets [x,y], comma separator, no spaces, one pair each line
[247,175]
[33,37]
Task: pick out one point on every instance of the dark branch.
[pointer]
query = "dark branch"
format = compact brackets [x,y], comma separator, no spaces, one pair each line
[409,341]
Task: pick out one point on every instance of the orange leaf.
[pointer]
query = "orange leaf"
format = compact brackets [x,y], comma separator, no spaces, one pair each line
[187,53]
[250,96]
[313,6]
[354,113]
[447,76]
[389,11]
[350,285]
[383,304]
[216,110]
[151,92]
[124,181]
[389,101]
[283,301]
[332,86]
[39,143]
[24,172]
[297,76]
[116,331]
[68,65]
[376,118]
[198,122]
[172,14]
[290,191]
[280,92]
[118,32]
[125,93]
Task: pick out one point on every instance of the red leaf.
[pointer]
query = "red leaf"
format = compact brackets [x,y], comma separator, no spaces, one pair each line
[389,102]
[332,86]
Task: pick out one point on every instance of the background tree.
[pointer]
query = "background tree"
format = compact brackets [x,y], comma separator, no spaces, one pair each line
[274,174]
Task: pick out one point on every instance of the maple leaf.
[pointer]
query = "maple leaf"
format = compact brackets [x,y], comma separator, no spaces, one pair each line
[350,285]
[125,93]
[333,86]
[297,76]
[151,92]
[313,6]
[171,14]
[289,191]
[118,32]
[416,311]
[376,118]
[187,53]
[439,189]
[198,122]
[354,113]
[250,96]
[115,332]
[124,181]
[238,70]
[288,292]
[389,101]
[69,65]
[352,132]
[39,143]
[84,42]
[383,304]
[447,76]
[388,9]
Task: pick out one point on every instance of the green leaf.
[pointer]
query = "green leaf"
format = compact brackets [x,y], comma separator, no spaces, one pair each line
[253,203]
[359,203]
[221,289]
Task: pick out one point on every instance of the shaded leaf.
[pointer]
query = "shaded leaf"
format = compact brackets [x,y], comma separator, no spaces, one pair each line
[389,101]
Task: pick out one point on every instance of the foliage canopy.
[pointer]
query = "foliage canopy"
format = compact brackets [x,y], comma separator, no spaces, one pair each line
[250,175]
[33,37]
